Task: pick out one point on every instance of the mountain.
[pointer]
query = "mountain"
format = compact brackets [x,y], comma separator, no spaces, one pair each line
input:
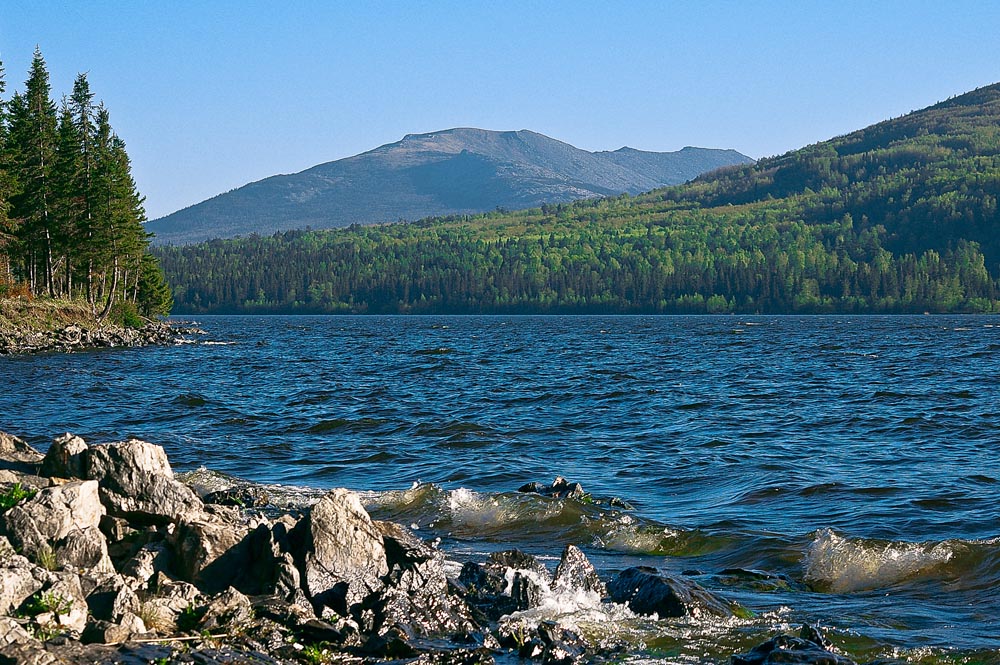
[448,172]
[899,217]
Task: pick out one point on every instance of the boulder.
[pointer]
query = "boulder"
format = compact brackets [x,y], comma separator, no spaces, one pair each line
[18,461]
[65,457]
[113,600]
[809,648]
[343,553]
[12,633]
[416,600]
[62,520]
[207,552]
[648,591]
[19,578]
[575,572]
[229,609]
[137,483]
[510,581]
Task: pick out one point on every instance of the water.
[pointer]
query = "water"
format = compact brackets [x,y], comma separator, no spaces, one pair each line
[852,459]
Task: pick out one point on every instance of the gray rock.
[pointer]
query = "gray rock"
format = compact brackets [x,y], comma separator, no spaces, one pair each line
[113,600]
[19,578]
[65,457]
[151,559]
[65,604]
[12,633]
[18,461]
[138,484]
[344,554]
[416,600]
[576,572]
[648,591]
[63,520]
[207,552]
[230,609]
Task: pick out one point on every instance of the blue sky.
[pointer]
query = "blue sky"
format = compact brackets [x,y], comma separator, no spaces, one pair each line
[211,95]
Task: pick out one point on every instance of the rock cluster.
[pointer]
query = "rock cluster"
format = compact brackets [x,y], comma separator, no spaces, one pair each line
[106,557]
[77,338]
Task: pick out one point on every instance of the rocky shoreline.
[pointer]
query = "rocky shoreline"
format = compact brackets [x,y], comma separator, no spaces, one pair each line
[106,557]
[75,337]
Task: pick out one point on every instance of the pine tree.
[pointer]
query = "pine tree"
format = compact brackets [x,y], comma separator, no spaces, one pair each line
[6,188]
[33,145]
[83,109]
[67,204]
[118,214]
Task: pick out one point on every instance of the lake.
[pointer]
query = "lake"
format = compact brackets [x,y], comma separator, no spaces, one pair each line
[850,462]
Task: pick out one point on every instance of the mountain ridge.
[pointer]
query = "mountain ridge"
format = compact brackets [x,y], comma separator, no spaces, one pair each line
[453,171]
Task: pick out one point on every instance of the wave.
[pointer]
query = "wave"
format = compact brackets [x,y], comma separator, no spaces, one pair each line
[525,517]
[837,564]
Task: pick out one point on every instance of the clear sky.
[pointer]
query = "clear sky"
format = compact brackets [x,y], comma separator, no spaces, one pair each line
[211,95]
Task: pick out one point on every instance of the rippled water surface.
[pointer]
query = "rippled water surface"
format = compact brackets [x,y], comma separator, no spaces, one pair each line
[854,460]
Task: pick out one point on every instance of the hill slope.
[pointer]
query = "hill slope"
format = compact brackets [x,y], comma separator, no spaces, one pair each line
[452,171]
[898,217]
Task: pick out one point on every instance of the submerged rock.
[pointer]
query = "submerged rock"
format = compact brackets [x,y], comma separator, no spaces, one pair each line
[648,591]
[809,648]
[560,489]
[510,581]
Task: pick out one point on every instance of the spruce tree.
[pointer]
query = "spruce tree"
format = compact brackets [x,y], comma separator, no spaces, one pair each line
[33,142]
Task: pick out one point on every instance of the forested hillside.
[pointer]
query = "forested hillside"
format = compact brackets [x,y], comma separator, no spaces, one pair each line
[70,215]
[898,217]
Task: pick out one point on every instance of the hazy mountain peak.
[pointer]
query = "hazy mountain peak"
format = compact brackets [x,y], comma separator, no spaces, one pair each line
[458,170]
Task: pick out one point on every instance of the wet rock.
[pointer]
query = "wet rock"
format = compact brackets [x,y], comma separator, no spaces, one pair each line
[576,572]
[648,591]
[560,488]
[343,552]
[547,642]
[509,582]
[61,520]
[809,648]
[241,497]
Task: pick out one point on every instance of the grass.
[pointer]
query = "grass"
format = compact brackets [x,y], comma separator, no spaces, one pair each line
[15,495]
[41,314]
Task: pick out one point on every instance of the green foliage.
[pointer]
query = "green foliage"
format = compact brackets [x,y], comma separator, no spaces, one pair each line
[15,495]
[46,558]
[71,218]
[316,654]
[898,217]
[189,618]
[46,601]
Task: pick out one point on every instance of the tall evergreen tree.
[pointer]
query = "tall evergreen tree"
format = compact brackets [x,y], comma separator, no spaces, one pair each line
[83,109]
[67,205]
[33,141]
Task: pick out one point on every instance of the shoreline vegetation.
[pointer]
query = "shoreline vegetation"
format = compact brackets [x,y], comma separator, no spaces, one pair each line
[106,556]
[71,217]
[42,325]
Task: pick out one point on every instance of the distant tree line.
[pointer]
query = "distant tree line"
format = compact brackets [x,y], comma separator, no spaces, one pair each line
[71,218]
[898,217]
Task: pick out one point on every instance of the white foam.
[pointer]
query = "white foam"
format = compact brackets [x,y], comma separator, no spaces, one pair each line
[842,565]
